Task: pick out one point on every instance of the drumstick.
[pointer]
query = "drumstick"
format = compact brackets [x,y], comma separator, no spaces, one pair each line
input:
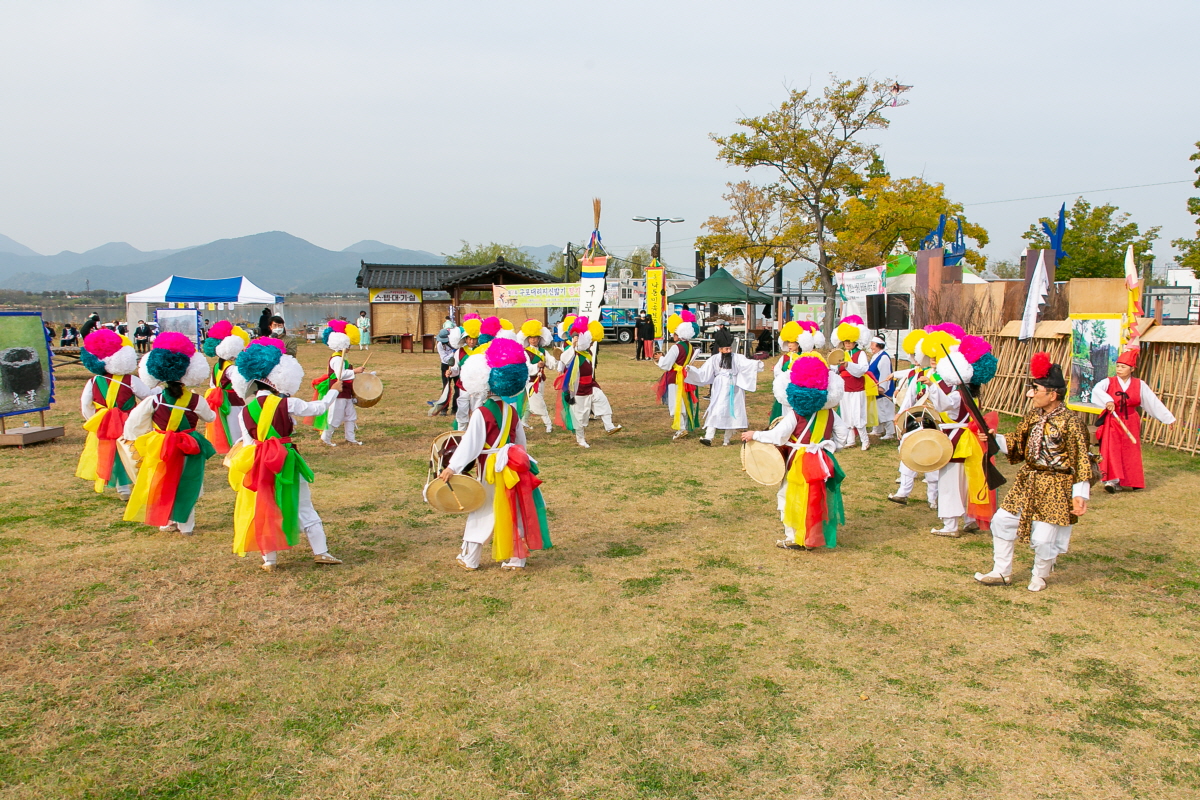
[1116,418]
[365,360]
[452,494]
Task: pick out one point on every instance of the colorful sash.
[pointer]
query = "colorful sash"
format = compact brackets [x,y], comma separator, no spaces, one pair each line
[567,385]
[320,387]
[172,473]
[981,500]
[514,474]
[217,431]
[266,476]
[99,462]
[813,501]
[687,401]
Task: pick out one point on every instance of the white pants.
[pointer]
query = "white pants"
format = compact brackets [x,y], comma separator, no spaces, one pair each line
[189,524]
[952,492]
[1047,541]
[908,477]
[853,410]
[310,521]
[466,404]
[709,433]
[886,409]
[472,552]
[537,407]
[587,405]
[341,413]
[478,532]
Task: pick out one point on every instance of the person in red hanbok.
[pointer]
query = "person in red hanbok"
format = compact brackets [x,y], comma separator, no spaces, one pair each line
[1124,398]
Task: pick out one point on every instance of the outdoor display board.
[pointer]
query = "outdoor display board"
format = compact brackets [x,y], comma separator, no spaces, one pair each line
[1095,345]
[536,295]
[655,298]
[592,284]
[26,370]
[180,320]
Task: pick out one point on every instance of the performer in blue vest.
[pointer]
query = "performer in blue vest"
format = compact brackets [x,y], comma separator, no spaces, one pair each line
[881,368]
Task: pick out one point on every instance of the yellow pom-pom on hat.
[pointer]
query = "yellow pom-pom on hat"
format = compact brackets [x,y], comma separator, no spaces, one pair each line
[847,332]
[913,340]
[241,334]
[790,332]
[673,322]
[506,324]
[125,340]
[531,327]
[810,354]
[596,329]
[471,327]
[566,323]
[938,344]
[354,333]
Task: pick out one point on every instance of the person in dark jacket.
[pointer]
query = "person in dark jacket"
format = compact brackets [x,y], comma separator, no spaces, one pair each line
[89,325]
[264,323]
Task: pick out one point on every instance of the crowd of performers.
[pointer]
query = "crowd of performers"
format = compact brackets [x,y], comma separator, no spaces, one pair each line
[497,379]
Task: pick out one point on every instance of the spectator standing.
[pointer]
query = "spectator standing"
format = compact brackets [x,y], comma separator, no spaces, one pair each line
[49,331]
[264,323]
[364,330]
[141,336]
[90,324]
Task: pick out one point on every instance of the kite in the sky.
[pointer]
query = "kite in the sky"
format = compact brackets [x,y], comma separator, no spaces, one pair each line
[895,90]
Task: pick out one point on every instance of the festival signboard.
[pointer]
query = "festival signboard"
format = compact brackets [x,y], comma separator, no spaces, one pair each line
[655,298]
[536,295]
[26,371]
[1095,345]
[394,295]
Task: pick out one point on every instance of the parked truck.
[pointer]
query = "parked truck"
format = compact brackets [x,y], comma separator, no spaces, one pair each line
[619,323]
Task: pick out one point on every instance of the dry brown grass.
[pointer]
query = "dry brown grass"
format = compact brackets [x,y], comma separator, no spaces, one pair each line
[663,648]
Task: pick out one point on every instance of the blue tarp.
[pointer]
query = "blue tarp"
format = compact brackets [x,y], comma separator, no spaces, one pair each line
[176,289]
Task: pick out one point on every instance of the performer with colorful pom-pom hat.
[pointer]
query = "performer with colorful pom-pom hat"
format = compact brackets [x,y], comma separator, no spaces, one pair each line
[910,391]
[964,363]
[581,395]
[796,337]
[679,396]
[107,399]
[537,340]
[810,499]
[731,375]
[1051,489]
[225,340]
[1119,428]
[338,335]
[163,429]
[513,515]
[274,503]
[852,333]
[880,369]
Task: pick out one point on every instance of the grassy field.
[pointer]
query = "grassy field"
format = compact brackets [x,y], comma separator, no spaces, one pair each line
[664,648]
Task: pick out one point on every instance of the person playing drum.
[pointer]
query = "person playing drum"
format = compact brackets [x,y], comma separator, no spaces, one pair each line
[338,336]
[810,498]
[513,514]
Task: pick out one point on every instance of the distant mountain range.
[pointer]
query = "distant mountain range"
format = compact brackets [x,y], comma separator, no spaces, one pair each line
[276,261]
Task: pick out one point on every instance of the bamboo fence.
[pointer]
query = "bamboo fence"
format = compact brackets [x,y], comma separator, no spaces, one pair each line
[1169,364]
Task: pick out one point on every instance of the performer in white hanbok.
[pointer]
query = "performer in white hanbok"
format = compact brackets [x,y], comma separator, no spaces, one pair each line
[909,392]
[731,375]
[880,367]
[537,340]
[673,390]
[853,409]
[580,396]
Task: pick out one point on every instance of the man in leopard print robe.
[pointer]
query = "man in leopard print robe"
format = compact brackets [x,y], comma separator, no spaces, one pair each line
[1051,489]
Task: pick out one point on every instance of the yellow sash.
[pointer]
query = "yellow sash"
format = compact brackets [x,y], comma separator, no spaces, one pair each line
[242,463]
[795,507]
[89,459]
[503,533]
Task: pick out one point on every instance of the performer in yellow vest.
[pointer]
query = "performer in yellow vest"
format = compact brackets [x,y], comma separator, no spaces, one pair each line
[107,399]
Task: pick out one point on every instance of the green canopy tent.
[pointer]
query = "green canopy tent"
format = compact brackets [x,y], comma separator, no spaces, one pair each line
[721,287]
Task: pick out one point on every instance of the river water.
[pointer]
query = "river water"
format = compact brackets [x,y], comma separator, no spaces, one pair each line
[294,314]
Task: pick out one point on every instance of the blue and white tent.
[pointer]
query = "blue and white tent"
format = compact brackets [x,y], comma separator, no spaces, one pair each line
[237,291]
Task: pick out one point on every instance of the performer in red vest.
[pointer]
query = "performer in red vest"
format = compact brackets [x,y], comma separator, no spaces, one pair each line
[1119,428]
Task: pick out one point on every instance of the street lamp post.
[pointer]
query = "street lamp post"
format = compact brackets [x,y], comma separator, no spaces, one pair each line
[658,223]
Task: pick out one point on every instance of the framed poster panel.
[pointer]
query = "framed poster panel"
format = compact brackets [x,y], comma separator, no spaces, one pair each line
[1095,345]
[26,369]
[179,320]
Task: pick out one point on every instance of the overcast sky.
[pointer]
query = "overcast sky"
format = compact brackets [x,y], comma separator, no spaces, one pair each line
[420,124]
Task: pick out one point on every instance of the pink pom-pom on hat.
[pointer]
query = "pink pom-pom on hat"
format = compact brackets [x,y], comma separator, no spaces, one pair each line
[952,328]
[853,319]
[810,373]
[808,325]
[268,341]
[102,343]
[974,348]
[502,352]
[472,315]
[337,325]
[490,326]
[580,325]
[220,329]
[176,343]
[687,316]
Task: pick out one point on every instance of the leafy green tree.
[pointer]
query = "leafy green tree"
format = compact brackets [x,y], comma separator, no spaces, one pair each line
[1006,269]
[886,212]
[760,230]
[1096,241]
[479,254]
[811,145]
[1189,249]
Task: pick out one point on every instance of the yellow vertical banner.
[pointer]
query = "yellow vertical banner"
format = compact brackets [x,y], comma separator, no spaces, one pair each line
[655,301]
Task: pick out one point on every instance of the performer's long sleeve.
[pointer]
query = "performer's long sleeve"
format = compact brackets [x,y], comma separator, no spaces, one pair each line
[86,406]
[140,419]
[1155,407]
[702,375]
[858,367]
[669,357]
[472,442]
[337,363]
[780,433]
[945,402]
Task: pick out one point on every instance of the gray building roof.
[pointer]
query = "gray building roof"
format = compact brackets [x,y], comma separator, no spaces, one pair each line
[443,276]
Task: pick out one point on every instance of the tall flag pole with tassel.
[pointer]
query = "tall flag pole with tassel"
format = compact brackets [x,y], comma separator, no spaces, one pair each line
[593,270]
[1133,290]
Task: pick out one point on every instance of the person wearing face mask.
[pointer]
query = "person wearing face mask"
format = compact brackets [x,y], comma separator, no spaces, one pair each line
[1051,489]
[1119,428]
[278,329]
[731,375]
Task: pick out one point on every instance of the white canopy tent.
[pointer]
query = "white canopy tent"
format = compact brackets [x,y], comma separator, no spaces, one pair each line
[218,294]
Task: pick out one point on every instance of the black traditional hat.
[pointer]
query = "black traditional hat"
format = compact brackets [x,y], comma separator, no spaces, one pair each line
[722,338]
